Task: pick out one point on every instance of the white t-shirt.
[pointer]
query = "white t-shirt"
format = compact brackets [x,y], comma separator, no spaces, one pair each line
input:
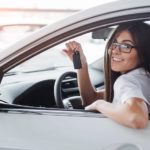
[135,83]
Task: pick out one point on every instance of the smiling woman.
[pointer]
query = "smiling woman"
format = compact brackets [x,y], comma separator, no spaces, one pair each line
[124,46]
[130,69]
[127,54]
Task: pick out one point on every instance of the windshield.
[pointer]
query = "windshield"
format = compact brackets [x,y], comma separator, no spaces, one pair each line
[54,57]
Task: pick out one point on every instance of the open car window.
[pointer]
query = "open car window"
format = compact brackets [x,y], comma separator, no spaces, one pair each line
[32,82]
[55,58]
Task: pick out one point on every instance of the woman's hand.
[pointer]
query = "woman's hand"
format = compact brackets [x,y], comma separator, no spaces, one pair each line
[133,113]
[75,46]
[95,106]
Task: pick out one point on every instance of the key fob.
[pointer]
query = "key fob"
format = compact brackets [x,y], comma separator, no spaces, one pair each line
[76,60]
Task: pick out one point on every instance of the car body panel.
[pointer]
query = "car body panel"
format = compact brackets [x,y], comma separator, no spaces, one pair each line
[73,130]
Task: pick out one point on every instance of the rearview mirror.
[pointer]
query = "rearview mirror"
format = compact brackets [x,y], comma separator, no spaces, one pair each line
[101,33]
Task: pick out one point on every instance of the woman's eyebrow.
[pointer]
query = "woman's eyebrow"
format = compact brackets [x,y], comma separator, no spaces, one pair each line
[128,41]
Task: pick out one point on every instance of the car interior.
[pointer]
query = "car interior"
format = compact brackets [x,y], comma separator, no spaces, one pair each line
[49,80]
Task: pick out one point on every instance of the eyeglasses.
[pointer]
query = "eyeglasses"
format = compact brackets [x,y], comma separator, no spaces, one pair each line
[123,47]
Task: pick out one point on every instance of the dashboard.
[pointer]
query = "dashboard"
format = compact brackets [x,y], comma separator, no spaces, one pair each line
[37,88]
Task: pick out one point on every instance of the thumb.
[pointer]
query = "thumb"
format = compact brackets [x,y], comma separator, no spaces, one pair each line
[89,107]
[65,51]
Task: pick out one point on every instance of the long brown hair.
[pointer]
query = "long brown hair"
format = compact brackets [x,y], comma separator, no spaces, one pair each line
[140,33]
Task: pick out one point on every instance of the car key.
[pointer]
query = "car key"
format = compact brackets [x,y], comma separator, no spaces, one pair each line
[76,60]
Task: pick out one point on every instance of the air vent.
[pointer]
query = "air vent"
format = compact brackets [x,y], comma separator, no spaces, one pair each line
[69,85]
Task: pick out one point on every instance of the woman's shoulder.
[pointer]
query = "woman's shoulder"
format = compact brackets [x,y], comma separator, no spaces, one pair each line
[137,71]
[135,76]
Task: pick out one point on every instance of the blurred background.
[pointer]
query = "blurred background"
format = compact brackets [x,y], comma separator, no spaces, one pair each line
[19,18]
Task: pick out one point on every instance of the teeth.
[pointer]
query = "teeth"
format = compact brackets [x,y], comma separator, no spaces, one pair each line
[117,59]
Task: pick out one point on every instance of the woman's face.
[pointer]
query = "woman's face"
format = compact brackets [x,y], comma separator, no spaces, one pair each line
[123,61]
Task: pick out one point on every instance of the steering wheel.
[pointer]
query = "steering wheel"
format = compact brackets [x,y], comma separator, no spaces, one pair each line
[58,93]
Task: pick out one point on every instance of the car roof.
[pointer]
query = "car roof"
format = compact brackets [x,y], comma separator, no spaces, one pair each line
[104,9]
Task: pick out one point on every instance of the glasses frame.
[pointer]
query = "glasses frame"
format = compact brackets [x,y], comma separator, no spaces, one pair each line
[122,46]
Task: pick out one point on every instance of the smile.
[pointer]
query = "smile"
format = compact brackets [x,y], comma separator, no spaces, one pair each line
[117,59]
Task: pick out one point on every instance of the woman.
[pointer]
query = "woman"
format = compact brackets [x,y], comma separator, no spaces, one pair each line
[126,98]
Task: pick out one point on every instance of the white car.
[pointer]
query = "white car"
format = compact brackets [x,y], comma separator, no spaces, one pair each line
[40,105]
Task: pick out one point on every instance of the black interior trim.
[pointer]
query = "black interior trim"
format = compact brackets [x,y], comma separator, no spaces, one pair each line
[40,94]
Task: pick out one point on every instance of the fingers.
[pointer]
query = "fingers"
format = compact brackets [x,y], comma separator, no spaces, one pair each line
[73,46]
[90,107]
[95,105]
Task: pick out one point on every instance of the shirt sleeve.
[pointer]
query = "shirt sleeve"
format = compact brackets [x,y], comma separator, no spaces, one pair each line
[127,87]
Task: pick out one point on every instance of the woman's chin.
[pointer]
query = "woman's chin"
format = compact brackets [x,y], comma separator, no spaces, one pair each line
[116,69]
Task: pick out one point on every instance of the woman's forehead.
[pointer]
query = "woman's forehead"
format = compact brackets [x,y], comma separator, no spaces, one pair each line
[124,36]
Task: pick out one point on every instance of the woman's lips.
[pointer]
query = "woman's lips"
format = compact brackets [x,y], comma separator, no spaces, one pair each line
[117,59]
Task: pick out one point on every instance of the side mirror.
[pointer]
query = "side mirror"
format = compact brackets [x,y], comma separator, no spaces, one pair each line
[102,33]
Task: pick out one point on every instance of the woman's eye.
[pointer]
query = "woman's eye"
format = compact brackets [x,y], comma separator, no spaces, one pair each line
[125,46]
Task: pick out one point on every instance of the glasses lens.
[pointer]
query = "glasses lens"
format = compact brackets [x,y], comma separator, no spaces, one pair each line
[125,48]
